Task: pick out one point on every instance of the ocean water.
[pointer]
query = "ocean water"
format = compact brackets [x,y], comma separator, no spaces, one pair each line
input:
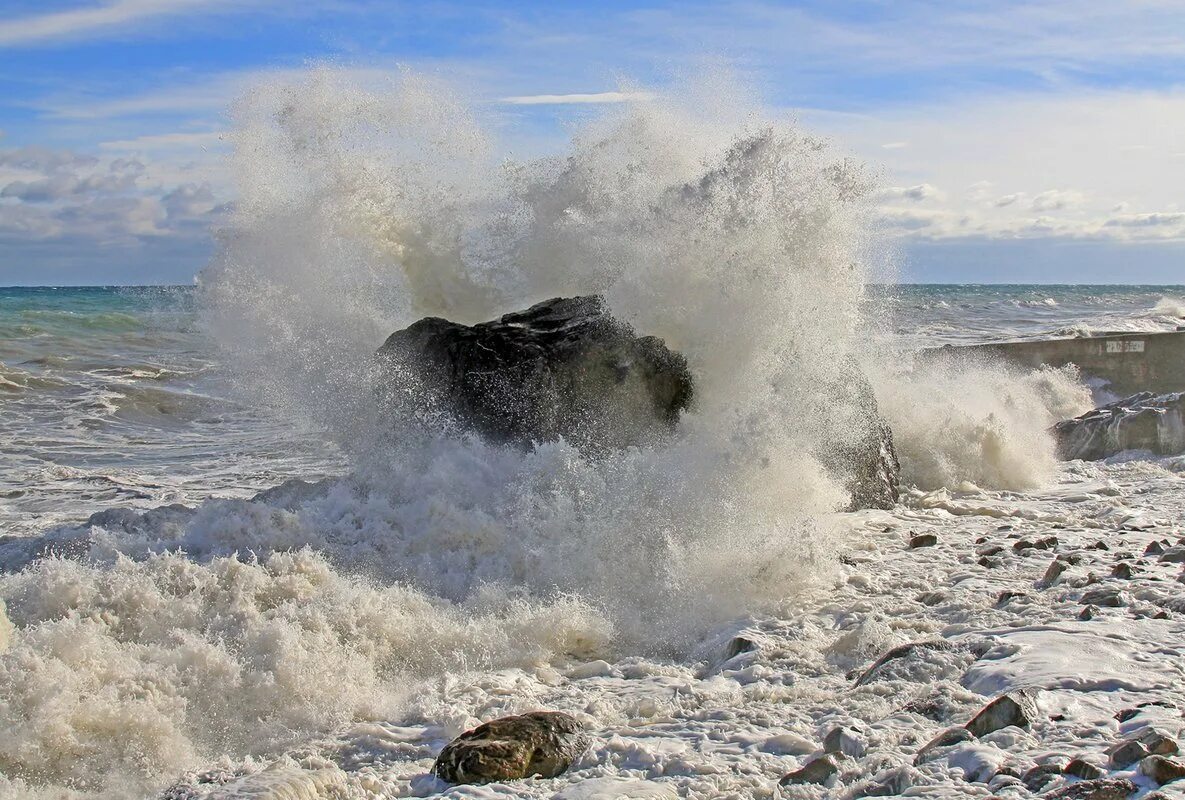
[226,572]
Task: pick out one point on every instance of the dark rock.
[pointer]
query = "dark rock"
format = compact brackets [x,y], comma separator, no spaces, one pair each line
[1085,770]
[1104,596]
[562,368]
[990,550]
[1161,769]
[1017,708]
[1041,776]
[923,540]
[738,645]
[1154,549]
[1103,789]
[1126,714]
[948,738]
[1125,753]
[541,743]
[1047,543]
[1087,613]
[1055,570]
[989,563]
[1144,421]
[567,368]
[1004,598]
[818,771]
[1122,570]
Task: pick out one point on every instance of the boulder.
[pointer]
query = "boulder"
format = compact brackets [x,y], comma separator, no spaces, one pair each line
[1144,421]
[539,744]
[1101,789]
[566,368]
[562,368]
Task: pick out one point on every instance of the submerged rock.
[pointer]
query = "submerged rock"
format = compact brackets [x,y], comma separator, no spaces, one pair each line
[1144,421]
[566,368]
[539,744]
[818,771]
[1017,708]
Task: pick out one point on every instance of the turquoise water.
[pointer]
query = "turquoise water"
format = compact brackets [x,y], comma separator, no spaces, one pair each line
[114,396]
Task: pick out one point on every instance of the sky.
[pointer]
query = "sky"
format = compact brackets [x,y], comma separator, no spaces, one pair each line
[1016,142]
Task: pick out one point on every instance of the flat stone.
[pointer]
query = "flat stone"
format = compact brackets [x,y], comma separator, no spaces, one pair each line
[1104,596]
[541,743]
[923,540]
[818,771]
[1018,708]
[1158,743]
[1041,776]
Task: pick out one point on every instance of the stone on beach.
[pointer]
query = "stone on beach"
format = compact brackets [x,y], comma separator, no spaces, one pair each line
[1018,708]
[539,744]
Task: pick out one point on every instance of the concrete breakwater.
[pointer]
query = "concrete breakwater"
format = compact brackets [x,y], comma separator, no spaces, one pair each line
[1126,362]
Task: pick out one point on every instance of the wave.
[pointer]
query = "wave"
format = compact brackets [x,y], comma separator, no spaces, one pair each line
[146,643]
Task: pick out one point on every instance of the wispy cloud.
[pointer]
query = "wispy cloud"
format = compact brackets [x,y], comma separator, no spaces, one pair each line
[105,18]
[576,99]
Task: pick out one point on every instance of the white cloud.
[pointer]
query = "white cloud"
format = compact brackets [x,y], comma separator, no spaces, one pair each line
[166,141]
[575,99]
[1055,200]
[104,17]
[919,193]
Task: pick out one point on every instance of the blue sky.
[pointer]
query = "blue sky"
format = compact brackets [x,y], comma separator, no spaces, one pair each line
[1034,141]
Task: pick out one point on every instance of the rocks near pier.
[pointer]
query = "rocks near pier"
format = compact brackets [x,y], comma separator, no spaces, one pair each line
[1144,421]
[566,368]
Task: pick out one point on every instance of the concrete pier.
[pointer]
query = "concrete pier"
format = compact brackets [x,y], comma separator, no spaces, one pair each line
[1129,362]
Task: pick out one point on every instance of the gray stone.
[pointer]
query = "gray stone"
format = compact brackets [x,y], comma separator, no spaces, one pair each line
[1157,742]
[911,650]
[841,741]
[1041,776]
[1104,596]
[1017,708]
[818,771]
[541,743]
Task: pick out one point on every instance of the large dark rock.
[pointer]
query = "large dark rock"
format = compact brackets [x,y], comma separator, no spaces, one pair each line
[562,368]
[567,368]
[539,744]
[1144,421]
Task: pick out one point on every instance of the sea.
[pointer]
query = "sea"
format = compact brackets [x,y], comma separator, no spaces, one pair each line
[228,571]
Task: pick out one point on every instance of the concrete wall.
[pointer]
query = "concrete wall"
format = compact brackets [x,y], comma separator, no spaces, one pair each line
[1130,362]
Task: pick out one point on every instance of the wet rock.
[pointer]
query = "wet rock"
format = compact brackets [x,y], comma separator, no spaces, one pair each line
[911,650]
[738,645]
[989,563]
[843,741]
[1174,555]
[1102,789]
[1104,596]
[1154,549]
[948,738]
[1004,598]
[1041,776]
[1055,570]
[1087,613]
[923,540]
[818,771]
[1080,768]
[1047,543]
[1158,743]
[1017,708]
[1162,769]
[1125,753]
[541,743]
[562,368]
[1122,570]
[1144,421]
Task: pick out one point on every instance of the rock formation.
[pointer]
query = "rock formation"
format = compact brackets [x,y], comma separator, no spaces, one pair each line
[539,744]
[1144,421]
